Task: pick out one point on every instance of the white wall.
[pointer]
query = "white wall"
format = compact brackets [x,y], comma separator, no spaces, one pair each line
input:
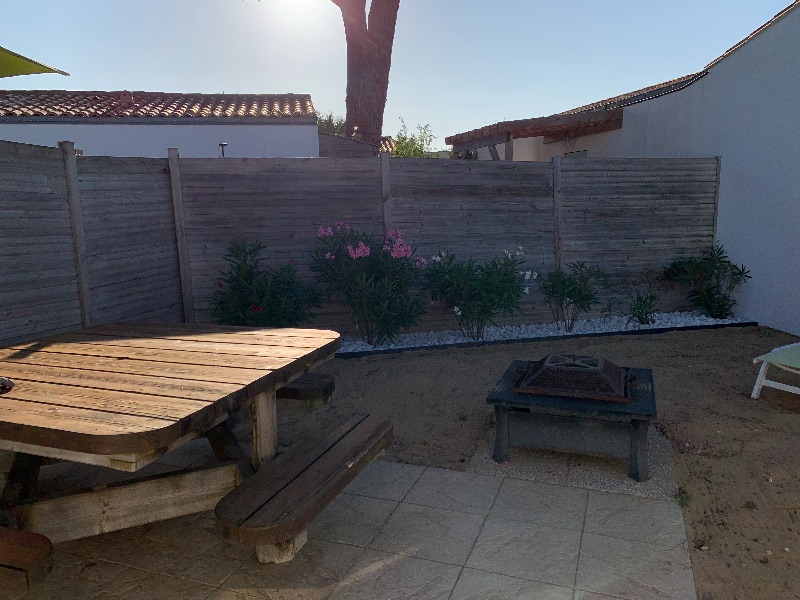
[746,110]
[193,141]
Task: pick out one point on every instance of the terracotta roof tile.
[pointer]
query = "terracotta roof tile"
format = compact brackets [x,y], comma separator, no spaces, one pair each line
[79,104]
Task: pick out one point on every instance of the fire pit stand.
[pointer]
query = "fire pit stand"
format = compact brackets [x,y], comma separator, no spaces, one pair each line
[528,414]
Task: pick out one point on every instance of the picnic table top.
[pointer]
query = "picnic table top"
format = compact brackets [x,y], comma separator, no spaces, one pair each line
[140,387]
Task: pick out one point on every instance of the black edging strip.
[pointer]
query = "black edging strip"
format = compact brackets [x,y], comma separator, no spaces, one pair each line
[474,344]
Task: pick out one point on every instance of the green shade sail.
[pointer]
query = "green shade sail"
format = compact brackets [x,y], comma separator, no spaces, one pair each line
[12,64]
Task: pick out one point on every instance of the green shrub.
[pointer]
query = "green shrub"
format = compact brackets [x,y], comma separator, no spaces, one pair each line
[477,293]
[260,297]
[643,296]
[377,280]
[572,292]
[711,279]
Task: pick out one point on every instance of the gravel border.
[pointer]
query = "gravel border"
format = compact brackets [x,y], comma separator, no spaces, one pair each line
[353,347]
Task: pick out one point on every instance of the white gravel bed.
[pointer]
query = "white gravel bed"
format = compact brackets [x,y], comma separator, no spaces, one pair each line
[614,324]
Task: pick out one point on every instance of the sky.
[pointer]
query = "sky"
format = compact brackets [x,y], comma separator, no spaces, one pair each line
[456,65]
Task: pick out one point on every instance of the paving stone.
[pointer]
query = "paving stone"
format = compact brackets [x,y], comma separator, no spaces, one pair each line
[381,576]
[480,585]
[350,519]
[545,504]
[385,479]
[135,584]
[431,533]
[311,575]
[655,522]
[527,550]
[465,492]
[75,577]
[634,571]
[185,547]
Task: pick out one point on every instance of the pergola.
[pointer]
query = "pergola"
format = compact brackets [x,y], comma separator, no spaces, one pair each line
[554,128]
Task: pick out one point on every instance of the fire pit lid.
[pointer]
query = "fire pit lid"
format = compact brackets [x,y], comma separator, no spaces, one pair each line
[574,376]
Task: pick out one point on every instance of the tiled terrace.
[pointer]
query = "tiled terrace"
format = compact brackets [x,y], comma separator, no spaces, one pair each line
[406,531]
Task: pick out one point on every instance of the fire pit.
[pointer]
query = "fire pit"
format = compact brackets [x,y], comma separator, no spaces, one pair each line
[578,404]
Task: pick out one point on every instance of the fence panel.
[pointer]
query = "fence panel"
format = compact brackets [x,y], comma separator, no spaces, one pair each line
[131,256]
[38,282]
[630,215]
[280,202]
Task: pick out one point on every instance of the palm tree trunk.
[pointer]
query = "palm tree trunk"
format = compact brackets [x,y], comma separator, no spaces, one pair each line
[369,59]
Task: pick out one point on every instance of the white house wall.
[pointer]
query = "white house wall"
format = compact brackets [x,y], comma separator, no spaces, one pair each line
[193,141]
[746,110]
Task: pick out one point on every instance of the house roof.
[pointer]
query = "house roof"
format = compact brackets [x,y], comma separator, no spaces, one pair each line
[46,105]
[589,119]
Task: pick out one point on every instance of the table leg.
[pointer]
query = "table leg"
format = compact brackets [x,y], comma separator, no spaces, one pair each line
[21,478]
[501,434]
[265,428]
[638,468]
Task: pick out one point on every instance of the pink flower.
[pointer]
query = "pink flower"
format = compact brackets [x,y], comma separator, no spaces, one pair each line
[360,251]
[218,285]
[394,234]
[324,232]
[401,249]
[387,247]
[256,308]
[421,262]
[330,256]
[342,226]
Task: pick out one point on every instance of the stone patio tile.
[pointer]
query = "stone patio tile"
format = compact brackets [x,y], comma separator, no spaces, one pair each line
[385,479]
[186,547]
[540,503]
[381,576]
[135,584]
[311,575]
[74,577]
[350,519]
[480,585]
[465,492]
[432,533]
[634,571]
[527,550]
[655,522]
[581,595]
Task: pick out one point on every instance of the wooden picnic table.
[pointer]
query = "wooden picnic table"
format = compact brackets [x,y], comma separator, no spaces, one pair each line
[123,395]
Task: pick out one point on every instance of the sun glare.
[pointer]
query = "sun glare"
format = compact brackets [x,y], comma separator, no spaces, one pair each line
[299,9]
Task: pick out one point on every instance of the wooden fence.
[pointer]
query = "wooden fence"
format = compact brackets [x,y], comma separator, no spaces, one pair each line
[89,240]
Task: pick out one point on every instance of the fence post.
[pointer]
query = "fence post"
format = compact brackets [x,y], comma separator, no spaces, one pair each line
[557,216]
[180,235]
[716,198]
[78,235]
[386,191]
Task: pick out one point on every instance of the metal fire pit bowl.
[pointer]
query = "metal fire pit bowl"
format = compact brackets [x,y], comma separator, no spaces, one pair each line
[571,376]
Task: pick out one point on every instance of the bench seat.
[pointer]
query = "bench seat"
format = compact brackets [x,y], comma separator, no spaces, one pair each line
[309,386]
[271,509]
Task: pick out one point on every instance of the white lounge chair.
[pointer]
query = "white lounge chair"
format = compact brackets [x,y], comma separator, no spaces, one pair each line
[783,357]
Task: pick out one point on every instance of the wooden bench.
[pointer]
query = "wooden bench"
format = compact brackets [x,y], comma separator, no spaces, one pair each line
[303,396]
[25,558]
[271,509]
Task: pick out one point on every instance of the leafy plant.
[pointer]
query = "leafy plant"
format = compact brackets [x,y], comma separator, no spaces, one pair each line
[376,279]
[260,297]
[572,292]
[332,124]
[477,293]
[409,145]
[644,297]
[711,279]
